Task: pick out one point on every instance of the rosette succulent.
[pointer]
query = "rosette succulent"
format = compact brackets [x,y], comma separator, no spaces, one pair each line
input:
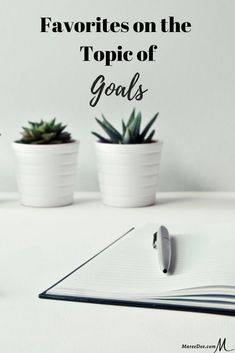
[44,133]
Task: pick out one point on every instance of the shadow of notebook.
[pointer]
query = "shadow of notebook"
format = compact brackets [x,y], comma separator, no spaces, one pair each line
[127,273]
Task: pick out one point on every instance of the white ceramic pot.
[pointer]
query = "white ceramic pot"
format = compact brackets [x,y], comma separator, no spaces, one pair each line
[128,174]
[46,173]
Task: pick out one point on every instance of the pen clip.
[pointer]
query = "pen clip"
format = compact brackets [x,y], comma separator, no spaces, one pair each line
[155,240]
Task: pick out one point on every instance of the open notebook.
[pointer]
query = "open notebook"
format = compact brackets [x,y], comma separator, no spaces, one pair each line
[201,278]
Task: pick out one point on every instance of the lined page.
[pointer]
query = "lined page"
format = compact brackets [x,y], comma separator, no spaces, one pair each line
[201,256]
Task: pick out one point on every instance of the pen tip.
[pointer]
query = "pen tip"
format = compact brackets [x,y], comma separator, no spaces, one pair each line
[165,270]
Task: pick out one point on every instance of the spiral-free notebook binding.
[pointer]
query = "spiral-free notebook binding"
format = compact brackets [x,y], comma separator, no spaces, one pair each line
[126,272]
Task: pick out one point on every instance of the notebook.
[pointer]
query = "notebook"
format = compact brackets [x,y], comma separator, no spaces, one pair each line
[126,272]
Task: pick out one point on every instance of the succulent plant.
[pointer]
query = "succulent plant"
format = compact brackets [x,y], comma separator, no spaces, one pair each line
[44,133]
[130,134]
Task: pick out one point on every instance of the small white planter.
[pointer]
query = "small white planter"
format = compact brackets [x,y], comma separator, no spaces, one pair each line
[128,174]
[46,173]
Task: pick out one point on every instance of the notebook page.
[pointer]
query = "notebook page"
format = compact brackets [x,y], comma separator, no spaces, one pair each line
[202,256]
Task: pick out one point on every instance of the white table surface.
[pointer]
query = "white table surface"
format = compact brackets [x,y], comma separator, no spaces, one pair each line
[39,246]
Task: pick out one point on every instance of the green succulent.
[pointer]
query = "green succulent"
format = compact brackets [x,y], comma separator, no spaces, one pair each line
[44,133]
[131,131]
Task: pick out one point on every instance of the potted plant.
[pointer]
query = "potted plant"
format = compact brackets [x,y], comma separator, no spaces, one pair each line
[46,164]
[128,162]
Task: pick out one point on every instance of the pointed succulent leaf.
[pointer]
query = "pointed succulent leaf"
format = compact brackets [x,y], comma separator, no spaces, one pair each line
[64,136]
[59,128]
[127,138]
[131,118]
[110,132]
[62,127]
[26,129]
[101,138]
[148,126]
[135,126]
[48,136]
[52,122]
[123,128]
[32,124]
[111,127]
[149,138]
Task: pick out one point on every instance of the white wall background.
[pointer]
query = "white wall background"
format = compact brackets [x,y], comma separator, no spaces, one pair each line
[191,84]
